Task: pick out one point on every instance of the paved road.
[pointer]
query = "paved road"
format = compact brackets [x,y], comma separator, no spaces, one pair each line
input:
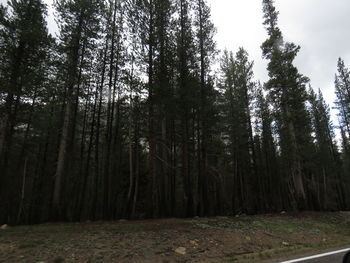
[330,257]
[337,258]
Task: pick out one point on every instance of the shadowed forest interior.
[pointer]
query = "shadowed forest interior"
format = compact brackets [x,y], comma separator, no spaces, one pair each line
[131,111]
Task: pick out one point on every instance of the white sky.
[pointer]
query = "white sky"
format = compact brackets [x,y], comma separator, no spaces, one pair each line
[320,27]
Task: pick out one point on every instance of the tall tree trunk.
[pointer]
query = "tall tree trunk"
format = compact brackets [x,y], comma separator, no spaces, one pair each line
[107,174]
[88,158]
[296,169]
[202,130]
[153,183]
[21,205]
[131,152]
[81,186]
[57,206]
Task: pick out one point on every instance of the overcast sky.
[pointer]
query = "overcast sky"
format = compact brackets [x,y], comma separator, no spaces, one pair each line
[320,27]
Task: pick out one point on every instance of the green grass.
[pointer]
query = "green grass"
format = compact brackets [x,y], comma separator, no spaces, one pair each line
[277,225]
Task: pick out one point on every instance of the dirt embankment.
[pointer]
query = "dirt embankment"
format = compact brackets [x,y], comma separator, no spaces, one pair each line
[219,239]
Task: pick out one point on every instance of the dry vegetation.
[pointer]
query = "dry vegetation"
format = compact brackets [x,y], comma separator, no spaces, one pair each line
[219,239]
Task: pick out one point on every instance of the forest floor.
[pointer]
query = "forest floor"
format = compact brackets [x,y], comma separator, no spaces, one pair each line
[263,238]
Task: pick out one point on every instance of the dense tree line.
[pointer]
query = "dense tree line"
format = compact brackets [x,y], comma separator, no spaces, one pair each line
[122,116]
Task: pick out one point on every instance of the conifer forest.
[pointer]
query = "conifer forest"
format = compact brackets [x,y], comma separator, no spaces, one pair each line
[131,111]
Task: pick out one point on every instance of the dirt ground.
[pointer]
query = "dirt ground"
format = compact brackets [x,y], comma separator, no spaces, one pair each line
[220,239]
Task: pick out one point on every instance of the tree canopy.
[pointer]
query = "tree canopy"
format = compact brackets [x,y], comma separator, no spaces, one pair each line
[126,113]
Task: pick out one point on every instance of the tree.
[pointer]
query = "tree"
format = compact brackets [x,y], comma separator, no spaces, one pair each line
[342,90]
[272,185]
[287,92]
[204,31]
[186,94]
[123,116]
[77,20]
[164,101]
[238,91]
[330,190]
[24,42]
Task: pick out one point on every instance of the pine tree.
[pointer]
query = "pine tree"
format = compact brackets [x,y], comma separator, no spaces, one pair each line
[164,100]
[271,184]
[330,190]
[24,43]
[342,90]
[186,92]
[78,25]
[287,92]
[238,91]
[204,31]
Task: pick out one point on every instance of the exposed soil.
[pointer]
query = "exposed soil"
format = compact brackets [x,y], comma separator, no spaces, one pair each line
[219,239]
